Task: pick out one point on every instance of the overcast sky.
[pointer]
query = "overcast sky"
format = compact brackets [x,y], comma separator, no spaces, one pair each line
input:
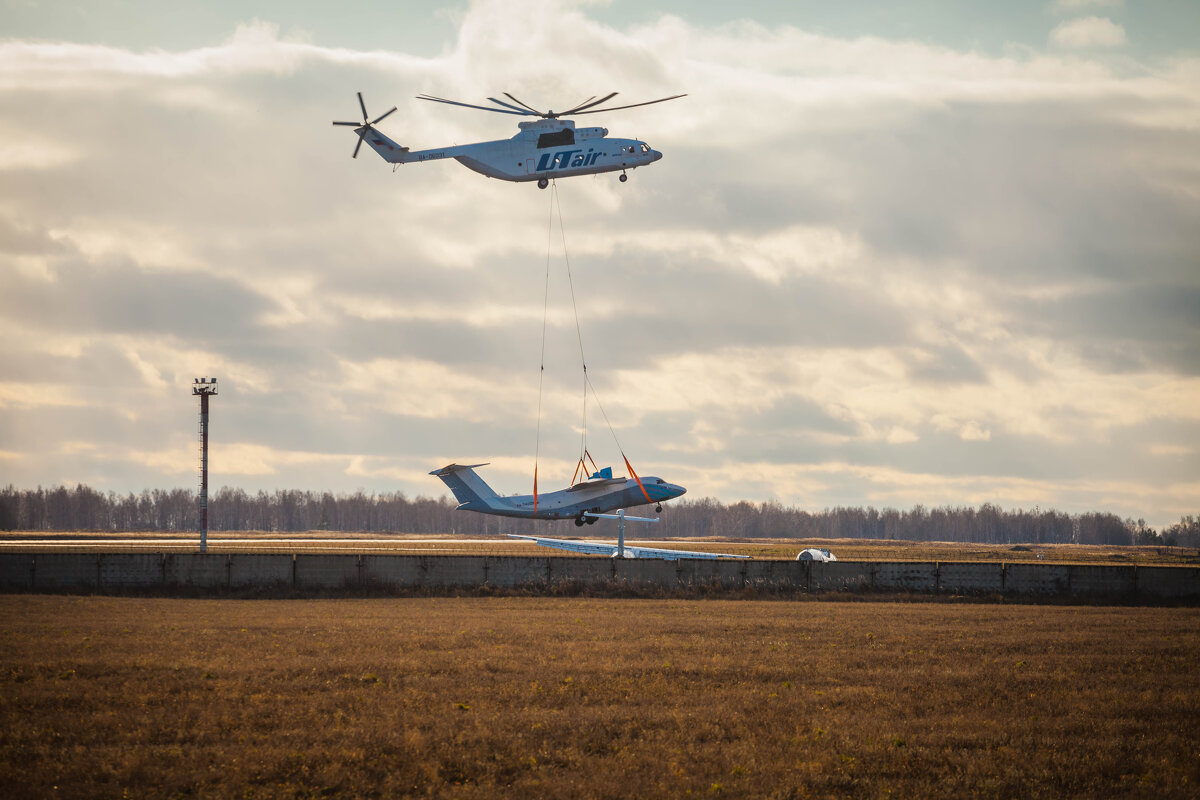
[939,252]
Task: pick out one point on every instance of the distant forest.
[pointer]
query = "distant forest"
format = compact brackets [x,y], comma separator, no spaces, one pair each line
[83,509]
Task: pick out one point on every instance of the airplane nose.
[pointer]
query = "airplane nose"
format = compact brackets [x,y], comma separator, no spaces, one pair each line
[655,156]
[677,490]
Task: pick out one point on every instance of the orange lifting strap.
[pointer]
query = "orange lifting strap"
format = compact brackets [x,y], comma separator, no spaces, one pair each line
[581,467]
[535,489]
[636,478]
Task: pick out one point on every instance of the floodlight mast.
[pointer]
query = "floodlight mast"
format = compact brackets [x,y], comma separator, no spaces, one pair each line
[204,388]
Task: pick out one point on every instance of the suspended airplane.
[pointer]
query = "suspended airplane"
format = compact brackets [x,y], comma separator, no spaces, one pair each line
[546,148]
[585,502]
[581,502]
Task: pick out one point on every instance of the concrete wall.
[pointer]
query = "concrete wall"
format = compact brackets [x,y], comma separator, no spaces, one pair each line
[1168,582]
[49,572]
[971,577]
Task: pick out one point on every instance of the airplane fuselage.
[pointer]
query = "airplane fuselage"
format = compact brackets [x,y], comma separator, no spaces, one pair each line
[570,503]
[596,496]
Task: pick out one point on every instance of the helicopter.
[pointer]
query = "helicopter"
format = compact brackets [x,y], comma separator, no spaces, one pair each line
[545,148]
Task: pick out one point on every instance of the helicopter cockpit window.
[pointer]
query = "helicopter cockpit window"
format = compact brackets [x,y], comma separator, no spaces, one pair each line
[556,139]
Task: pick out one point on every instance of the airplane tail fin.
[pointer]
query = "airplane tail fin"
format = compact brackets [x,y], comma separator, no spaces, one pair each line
[471,491]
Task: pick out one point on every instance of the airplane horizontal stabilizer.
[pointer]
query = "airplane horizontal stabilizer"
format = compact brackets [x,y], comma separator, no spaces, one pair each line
[450,469]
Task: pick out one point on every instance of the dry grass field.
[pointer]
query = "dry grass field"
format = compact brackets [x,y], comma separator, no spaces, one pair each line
[401,544]
[593,698]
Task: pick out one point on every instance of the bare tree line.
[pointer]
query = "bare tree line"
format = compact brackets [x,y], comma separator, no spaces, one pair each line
[81,508]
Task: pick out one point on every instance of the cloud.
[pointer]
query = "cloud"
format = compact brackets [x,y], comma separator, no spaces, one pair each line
[865,270]
[1085,32]
[1075,6]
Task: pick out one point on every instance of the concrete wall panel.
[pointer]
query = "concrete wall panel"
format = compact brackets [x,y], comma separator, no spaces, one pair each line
[645,572]
[131,570]
[970,577]
[838,576]
[453,570]
[197,570]
[326,571]
[516,570]
[66,571]
[583,570]
[268,570]
[16,572]
[709,572]
[1168,583]
[1087,579]
[910,576]
[1037,578]
[392,572]
[790,574]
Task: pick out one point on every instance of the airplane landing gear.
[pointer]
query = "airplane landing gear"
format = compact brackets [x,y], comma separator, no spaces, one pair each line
[658,508]
[624,177]
[543,183]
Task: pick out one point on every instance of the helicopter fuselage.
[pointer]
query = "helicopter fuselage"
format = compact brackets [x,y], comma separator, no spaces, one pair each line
[544,149]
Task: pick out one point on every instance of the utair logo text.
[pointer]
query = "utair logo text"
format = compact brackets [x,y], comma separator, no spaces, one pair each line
[564,159]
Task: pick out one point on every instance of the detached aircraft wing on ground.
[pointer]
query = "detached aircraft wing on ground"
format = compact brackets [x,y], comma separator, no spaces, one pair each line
[610,549]
[619,549]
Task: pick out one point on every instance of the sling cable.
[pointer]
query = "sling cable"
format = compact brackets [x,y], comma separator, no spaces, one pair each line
[581,466]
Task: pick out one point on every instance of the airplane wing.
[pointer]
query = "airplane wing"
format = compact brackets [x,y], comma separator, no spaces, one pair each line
[631,551]
[591,484]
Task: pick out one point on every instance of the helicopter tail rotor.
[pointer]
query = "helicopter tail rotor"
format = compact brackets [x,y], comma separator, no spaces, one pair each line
[366,126]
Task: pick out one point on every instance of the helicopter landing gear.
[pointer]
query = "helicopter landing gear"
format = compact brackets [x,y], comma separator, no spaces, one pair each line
[581,520]
[624,177]
[543,183]
[591,520]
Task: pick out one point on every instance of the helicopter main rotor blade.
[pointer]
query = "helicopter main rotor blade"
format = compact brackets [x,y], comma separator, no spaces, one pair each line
[631,105]
[377,119]
[352,124]
[468,105]
[589,104]
[363,106]
[508,105]
[526,105]
[358,145]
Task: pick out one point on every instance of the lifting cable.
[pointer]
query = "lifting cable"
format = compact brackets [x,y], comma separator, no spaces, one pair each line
[581,465]
[542,366]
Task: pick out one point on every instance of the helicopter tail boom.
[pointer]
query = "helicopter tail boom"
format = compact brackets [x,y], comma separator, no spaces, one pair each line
[388,150]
